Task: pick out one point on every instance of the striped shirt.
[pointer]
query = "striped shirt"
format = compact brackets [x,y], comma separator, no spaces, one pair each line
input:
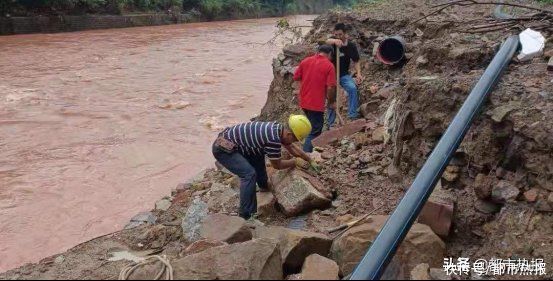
[257,138]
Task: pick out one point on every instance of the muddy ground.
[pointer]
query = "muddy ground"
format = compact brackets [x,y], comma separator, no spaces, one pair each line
[510,144]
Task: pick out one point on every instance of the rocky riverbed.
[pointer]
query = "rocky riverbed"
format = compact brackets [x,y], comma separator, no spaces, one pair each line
[495,200]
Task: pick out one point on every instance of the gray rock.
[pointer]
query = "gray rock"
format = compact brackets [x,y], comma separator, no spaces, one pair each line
[192,222]
[163,205]
[504,191]
[142,218]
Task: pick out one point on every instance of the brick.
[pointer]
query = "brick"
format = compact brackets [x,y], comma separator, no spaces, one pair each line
[331,136]
[437,215]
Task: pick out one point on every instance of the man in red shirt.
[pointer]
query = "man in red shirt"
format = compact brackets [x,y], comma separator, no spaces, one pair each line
[318,83]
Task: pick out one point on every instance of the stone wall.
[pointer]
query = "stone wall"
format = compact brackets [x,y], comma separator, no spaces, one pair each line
[51,24]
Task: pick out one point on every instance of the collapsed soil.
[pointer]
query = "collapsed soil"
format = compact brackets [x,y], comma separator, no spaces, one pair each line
[511,141]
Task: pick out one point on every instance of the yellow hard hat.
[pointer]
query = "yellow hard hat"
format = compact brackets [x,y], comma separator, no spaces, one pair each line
[300,126]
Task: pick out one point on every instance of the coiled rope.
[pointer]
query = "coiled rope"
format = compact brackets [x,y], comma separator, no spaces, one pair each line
[166,268]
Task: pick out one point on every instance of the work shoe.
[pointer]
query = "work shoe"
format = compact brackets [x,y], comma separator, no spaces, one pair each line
[253,222]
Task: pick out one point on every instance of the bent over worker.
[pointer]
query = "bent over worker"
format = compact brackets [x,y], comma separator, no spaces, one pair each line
[242,150]
[318,84]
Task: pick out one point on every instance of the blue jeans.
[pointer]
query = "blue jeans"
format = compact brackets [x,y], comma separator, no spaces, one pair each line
[350,87]
[317,120]
[250,169]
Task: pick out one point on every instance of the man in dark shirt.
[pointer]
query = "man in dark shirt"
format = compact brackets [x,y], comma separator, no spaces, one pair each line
[249,144]
[348,53]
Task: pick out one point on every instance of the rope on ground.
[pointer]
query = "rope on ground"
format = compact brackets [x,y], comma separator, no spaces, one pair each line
[166,268]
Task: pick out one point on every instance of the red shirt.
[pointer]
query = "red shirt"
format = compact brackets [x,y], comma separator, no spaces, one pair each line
[316,74]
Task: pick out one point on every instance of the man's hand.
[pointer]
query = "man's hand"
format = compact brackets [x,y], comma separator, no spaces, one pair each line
[302,164]
[336,42]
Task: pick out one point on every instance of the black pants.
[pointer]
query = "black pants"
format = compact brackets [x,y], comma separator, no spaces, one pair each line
[317,120]
[251,169]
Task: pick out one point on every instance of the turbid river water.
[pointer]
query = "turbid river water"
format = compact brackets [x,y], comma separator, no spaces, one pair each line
[96,126]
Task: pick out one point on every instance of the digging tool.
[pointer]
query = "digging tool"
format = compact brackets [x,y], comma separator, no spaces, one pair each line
[345,227]
[340,119]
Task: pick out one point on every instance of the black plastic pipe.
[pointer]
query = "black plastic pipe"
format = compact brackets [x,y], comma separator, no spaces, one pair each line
[398,224]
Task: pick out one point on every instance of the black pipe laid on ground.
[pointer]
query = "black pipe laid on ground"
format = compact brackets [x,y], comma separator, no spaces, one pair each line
[398,224]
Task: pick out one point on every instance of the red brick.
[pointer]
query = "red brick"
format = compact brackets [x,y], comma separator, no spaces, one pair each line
[331,136]
[437,215]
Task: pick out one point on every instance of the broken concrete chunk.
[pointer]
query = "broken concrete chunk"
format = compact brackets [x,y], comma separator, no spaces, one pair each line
[192,221]
[296,195]
[421,245]
[550,64]
[317,267]
[295,245]
[225,228]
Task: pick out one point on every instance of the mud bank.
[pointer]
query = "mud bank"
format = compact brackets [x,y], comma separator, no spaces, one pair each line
[498,184]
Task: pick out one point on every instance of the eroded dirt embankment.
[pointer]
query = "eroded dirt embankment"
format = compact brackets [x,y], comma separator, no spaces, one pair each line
[500,180]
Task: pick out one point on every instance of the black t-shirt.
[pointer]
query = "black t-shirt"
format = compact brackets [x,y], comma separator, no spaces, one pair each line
[348,53]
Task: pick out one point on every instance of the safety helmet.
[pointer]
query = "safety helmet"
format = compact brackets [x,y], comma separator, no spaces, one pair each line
[300,126]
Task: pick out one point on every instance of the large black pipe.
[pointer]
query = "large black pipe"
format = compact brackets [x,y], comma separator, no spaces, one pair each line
[392,234]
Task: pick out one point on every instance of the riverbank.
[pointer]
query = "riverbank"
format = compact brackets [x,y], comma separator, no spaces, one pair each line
[69,23]
[495,199]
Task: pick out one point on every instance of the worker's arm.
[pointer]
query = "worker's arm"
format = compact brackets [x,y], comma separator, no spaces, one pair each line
[298,152]
[357,63]
[280,164]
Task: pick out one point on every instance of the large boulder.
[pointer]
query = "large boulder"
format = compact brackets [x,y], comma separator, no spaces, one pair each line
[202,245]
[225,228]
[253,260]
[317,267]
[421,245]
[266,203]
[295,245]
[296,195]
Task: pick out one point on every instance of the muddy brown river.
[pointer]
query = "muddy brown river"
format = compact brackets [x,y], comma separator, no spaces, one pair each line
[96,126]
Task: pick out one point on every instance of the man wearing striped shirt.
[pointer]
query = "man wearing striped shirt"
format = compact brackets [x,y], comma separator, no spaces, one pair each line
[251,142]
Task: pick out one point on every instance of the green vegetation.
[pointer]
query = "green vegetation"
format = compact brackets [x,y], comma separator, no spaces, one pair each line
[210,9]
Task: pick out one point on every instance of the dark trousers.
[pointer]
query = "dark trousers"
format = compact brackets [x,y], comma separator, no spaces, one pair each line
[317,120]
[250,169]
